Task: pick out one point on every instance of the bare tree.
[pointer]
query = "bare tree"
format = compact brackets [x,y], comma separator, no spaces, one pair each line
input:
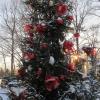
[91,37]
[4,58]
[82,10]
[10,29]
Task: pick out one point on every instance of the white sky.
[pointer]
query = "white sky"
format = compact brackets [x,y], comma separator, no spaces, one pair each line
[2,3]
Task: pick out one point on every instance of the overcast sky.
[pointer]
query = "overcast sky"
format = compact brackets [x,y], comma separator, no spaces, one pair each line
[2,3]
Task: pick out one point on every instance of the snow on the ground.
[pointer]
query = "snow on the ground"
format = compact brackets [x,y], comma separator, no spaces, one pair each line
[4,90]
[14,82]
[16,87]
[18,90]
[4,97]
[4,94]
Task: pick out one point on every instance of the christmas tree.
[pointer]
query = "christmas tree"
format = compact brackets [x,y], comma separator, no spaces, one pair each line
[47,63]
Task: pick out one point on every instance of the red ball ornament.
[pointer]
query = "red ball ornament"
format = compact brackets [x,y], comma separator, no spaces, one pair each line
[59,21]
[51,82]
[41,28]
[29,56]
[61,9]
[43,45]
[68,45]
[71,67]
[69,18]
[69,51]
[28,28]
[76,35]
[21,71]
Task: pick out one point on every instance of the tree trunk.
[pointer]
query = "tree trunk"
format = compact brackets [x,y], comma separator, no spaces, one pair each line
[4,63]
[12,54]
[4,59]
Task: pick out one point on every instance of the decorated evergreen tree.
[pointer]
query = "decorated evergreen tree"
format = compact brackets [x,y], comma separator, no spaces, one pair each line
[45,50]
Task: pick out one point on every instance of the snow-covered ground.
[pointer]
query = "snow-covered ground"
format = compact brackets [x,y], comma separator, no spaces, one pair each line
[4,94]
[16,87]
[18,90]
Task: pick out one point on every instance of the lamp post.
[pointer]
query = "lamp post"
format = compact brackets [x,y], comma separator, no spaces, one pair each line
[93,59]
[77,44]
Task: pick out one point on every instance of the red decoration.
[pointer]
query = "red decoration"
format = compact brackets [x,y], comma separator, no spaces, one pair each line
[71,67]
[51,82]
[41,28]
[90,51]
[87,50]
[61,9]
[43,46]
[29,56]
[60,21]
[69,18]
[28,28]
[93,52]
[21,71]
[30,34]
[62,77]
[68,45]
[69,51]
[76,35]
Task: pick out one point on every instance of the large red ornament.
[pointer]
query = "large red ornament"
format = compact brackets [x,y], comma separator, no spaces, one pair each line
[21,71]
[51,82]
[69,51]
[41,28]
[71,67]
[29,56]
[68,45]
[28,28]
[69,18]
[59,21]
[76,35]
[61,9]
